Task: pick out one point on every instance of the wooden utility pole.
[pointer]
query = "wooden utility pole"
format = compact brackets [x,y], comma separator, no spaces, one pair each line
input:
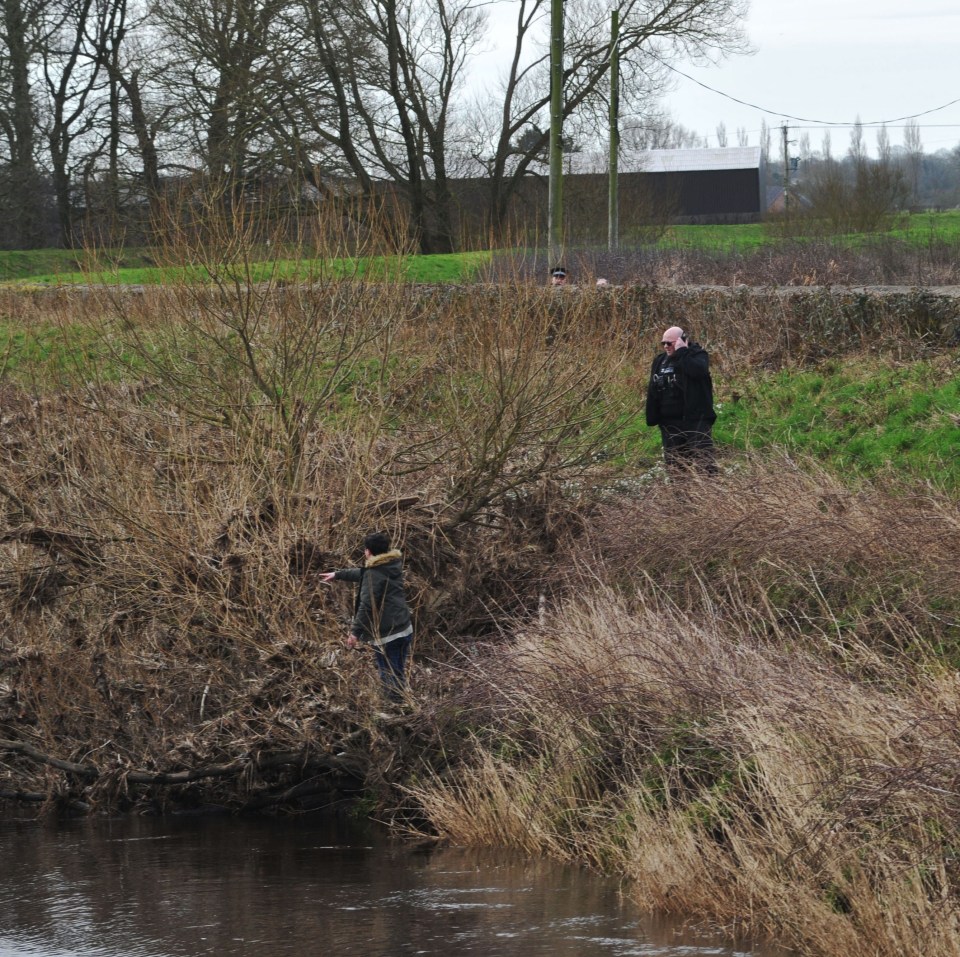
[613,202]
[786,174]
[555,189]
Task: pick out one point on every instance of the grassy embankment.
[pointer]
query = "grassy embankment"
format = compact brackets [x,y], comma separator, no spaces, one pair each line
[140,266]
[741,695]
[917,230]
[865,415]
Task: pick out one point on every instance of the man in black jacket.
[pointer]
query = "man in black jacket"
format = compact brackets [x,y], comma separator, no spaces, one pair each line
[680,401]
[381,616]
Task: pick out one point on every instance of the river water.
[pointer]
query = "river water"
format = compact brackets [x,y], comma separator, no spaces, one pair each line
[324,886]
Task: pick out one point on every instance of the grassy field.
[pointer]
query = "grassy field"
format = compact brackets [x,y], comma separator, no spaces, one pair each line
[53,267]
[916,230]
[139,266]
[862,418]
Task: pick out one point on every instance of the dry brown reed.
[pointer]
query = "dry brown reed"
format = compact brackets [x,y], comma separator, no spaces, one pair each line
[801,534]
[740,699]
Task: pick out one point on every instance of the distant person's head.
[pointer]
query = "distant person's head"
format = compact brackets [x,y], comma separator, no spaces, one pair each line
[376,543]
[558,276]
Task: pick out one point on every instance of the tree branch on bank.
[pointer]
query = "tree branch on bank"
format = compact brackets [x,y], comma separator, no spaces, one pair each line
[343,763]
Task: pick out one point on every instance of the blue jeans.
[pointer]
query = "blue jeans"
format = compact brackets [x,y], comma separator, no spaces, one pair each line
[391,663]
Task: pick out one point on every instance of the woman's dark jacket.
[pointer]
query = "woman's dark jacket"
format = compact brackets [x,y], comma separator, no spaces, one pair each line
[381,604]
[680,391]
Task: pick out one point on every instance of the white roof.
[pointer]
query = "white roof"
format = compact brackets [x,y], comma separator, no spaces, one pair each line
[675,161]
[666,161]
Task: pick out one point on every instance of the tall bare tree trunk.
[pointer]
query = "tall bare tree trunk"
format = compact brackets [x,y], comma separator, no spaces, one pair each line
[25,186]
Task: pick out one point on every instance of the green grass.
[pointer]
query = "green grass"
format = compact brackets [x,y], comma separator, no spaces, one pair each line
[47,356]
[30,263]
[55,267]
[138,266]
[916,230]
[860,418]
[741,237]
[921,228]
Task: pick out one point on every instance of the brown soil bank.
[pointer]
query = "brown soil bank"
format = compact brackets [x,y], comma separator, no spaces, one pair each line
[741,694]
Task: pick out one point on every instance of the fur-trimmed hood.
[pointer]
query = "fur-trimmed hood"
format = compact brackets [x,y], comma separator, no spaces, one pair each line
[393,555]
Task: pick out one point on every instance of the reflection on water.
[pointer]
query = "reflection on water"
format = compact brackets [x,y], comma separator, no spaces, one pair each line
[138,887]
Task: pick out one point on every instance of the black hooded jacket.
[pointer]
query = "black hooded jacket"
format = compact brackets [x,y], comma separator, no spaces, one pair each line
[381,606]
[680,391]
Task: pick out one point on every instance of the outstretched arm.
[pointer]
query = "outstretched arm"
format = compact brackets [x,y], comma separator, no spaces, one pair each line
[341,575]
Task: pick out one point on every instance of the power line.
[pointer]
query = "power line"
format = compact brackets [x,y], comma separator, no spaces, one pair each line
[801,119]
[926,126]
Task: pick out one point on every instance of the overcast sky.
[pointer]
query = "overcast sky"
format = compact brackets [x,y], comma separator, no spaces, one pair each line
[834,60]
[821,60]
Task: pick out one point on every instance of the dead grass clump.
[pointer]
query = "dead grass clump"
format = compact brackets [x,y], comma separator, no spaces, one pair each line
[750,782]
[798,547]
[741,694]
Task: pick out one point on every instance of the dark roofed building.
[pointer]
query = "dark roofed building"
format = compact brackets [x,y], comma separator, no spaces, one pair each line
[721,185]
[708,185]
[724,185]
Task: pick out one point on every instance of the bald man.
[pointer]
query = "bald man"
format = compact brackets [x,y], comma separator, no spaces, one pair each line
[680,401]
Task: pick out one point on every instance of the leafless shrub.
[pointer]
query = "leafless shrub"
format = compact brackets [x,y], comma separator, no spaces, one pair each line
[161,535]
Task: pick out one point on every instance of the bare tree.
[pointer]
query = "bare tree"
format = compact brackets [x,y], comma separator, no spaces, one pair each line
[106,174]
[651,32]
[394,70]
[722,135]
[859,194]
[74,112]
[858,148]
[21,190]
[657,131]
[130,77]
[884,150]
[75,36]
[226,70]
[914,150]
